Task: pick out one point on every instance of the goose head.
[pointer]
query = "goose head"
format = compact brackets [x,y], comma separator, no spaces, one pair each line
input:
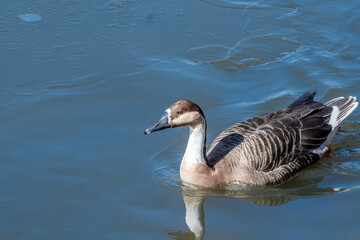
[180,114]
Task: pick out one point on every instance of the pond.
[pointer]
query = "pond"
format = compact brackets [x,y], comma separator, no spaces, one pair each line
[82,80]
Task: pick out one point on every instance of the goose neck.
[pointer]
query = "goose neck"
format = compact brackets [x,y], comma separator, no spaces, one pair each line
[196,147]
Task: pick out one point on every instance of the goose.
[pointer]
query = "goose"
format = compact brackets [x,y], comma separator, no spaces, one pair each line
[265,150]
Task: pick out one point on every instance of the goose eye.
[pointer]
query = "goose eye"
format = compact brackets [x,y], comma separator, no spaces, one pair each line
[179,112]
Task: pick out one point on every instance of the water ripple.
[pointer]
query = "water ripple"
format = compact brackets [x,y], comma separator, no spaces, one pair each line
[40,87]
[207,53]
[235,5]
[254,51]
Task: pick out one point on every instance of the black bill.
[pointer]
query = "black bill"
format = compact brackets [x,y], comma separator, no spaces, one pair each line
[161,124]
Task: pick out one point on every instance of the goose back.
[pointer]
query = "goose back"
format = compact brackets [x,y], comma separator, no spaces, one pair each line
[274,146]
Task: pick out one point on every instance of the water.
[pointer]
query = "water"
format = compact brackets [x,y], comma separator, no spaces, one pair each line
[81,80]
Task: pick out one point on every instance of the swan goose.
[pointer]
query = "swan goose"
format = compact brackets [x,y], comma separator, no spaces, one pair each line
[265,150]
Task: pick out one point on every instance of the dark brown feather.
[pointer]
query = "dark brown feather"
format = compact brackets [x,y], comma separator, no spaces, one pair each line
[277,144]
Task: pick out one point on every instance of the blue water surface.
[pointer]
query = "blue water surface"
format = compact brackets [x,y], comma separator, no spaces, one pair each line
[81,80]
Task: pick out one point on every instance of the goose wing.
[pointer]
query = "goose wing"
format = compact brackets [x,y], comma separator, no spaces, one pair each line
[293,133]
[230,140]
[277,144]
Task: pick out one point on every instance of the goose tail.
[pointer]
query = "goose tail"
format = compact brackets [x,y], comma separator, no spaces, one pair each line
[342,107]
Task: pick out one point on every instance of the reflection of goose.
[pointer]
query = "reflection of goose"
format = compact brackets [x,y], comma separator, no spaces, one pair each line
[270,197]
[264,150]
[194,216]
